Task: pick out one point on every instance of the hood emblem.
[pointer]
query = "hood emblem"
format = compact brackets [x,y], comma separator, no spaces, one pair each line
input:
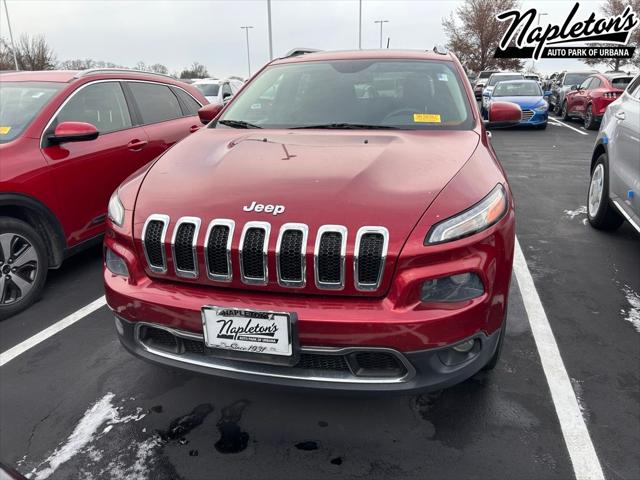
[261,207]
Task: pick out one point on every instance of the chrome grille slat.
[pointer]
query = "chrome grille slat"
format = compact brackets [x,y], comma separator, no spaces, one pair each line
[527,114]
[183,247]
[153,242]
[291,252]
[217,249]
[253,249]
[329,257]
[369,257]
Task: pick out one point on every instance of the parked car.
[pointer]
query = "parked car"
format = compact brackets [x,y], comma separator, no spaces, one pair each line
[478,88]
[528,95]
[67,139]
[218,91]
[482,78]
[614,190]
[317,245]
[562,86]
[590,99]
[533,76]
[491,83]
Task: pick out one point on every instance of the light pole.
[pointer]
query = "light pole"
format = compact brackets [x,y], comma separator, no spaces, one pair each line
[270,36]
[381,22]
[13,45]
[246,29]
[360,25]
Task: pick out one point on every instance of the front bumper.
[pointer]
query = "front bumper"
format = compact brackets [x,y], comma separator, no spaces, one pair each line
[425,370]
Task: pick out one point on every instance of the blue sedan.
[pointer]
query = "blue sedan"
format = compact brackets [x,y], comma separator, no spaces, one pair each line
[527,94]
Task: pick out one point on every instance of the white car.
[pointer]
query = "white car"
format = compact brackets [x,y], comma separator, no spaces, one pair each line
[217,91]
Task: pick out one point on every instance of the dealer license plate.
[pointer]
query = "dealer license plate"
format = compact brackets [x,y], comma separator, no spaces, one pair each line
[249,331]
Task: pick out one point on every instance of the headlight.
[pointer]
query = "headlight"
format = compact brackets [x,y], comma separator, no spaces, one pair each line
[542,108]
[116,210]
[477,218]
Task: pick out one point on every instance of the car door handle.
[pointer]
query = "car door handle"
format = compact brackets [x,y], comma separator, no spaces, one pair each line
[620,115]
[136,145]
[194,128]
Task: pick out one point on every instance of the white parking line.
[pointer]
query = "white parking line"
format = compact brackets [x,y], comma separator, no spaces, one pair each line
[586,465]
[568,126]
[13,352]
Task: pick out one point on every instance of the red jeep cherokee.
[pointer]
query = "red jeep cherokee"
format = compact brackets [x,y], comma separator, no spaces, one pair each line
[343,223]
[67,139]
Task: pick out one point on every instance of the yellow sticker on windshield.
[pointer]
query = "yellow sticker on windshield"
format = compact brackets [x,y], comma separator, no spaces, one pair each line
[4,130]
[426,118]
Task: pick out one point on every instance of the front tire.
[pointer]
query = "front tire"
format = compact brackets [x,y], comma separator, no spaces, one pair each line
[590,122]
[601,214]
[23,266]
[564,111]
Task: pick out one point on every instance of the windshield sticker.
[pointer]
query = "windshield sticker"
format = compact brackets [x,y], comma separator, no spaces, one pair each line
[37,95]
[4,130]
[443,77]
[426,118]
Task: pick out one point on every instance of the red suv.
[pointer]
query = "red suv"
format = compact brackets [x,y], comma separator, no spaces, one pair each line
[591,98]
[343,223]
[67,139]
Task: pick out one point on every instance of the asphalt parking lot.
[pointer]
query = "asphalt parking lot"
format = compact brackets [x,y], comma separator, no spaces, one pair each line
[78,406]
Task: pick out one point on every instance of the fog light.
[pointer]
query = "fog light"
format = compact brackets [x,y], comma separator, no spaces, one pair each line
[464,347]
[115,263]
[456,288]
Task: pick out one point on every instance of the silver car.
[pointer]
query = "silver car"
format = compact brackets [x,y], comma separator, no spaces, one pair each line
[614,190]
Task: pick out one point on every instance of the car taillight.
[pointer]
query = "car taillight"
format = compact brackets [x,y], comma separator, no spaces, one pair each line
[610,95]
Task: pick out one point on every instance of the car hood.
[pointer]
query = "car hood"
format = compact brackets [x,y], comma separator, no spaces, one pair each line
[321,177]
[524,102]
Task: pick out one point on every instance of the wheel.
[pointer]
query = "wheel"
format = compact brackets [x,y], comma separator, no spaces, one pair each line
[542,126]
[564,111]
[23,266]
[590,122]
[601,214]
[495,358]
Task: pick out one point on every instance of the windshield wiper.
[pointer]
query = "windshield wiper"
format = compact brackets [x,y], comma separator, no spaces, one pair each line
[238,124]
[347,126]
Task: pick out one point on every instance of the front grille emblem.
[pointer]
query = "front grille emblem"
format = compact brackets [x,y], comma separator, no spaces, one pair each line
[265,208]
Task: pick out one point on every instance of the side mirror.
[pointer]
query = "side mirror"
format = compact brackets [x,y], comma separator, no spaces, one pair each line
[73,132]
[573,87]
[209,112]
[503,114]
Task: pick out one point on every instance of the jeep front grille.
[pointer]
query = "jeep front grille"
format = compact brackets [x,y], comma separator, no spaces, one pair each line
[291,255]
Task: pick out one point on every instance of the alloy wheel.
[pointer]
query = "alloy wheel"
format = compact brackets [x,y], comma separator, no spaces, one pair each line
[595,190]
[18,267]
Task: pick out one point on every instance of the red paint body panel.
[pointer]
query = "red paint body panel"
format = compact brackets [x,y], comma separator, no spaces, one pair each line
[74,180]
[406,181]
[578,101]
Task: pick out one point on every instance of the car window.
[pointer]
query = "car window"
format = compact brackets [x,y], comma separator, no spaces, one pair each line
[208,89]
[404,94]
[517,89]
[226,89]
[20,102]
[584,85]
[595,83]
[502,78]
[621,82]
[575,78]
[156,102]
[101,104]
[188,101]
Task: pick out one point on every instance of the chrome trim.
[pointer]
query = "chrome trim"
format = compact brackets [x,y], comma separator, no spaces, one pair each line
[265,370]
[179,272]
[165,220]
[366,287]
[231,225]
[301,227]
[92,71]
[626,215]
[343,252]
[265,248]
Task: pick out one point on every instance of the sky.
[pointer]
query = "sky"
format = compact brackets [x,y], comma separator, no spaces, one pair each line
[177,33]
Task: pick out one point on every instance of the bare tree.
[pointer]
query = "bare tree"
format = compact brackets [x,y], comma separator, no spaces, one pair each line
[6,56]
[195,71]
[159,68]
[77,64]
[474,32]
[34,53]
[612,8]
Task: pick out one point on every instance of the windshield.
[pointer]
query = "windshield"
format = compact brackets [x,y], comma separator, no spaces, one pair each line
[208,89]
[531,77]
[485,74]
[20,102]
[621,82]
[517,89]
[353,94]
[501,78]
[575,78]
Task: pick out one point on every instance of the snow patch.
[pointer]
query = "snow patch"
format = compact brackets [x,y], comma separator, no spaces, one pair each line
[632,313]
[574,213]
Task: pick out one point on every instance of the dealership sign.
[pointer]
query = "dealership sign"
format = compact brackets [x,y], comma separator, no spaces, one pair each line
[604,37]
